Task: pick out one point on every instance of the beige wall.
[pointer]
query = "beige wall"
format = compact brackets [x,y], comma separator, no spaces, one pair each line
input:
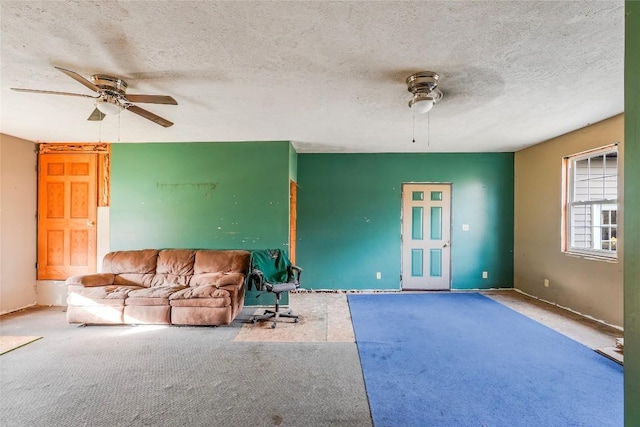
[588,286]
[18,198]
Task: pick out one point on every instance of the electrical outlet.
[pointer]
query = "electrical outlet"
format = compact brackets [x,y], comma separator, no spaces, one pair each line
[465,227]
[546,283]
[378,275]
[485,274]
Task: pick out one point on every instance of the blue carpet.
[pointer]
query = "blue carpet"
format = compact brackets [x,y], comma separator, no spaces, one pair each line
[462,359]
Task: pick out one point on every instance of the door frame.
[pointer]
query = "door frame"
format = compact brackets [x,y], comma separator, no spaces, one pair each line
[293,219]
[402,187]
[104,158]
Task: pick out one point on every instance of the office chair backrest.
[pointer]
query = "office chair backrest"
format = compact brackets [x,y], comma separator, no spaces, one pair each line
[273,263]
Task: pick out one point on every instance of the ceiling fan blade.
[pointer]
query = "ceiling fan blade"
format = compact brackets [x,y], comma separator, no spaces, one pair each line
[77,77]
[52,92]
[152,99]
[96,115]
[149,115]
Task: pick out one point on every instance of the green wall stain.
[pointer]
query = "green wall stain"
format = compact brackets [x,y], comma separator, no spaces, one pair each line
[349,217]
[631,216]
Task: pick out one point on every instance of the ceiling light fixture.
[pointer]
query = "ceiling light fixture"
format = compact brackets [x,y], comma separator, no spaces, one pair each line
[108,105]
[423,87]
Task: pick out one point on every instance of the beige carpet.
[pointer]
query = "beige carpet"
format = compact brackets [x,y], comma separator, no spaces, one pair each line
[324,317]
[106,376]
[8,343]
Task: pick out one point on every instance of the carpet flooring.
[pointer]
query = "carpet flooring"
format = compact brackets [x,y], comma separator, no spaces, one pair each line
[174,376]
[229,376]
[462,359]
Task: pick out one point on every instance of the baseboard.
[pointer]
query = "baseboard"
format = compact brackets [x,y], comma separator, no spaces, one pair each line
[586,316]
[18,309]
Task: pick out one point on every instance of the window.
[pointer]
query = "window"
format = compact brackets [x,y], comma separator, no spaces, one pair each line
[591,203]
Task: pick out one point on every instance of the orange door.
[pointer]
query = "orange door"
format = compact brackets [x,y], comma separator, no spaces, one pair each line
[67,210]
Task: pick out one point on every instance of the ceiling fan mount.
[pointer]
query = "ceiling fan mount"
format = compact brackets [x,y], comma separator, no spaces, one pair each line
[111,97]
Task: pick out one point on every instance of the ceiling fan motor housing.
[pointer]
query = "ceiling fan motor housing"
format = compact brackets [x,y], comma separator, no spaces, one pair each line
[422,82]
[109,83]
[423,85]
[112,97]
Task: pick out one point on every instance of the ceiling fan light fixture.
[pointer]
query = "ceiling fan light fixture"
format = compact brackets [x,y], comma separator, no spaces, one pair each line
[421,104]
[423,87]
[108,106]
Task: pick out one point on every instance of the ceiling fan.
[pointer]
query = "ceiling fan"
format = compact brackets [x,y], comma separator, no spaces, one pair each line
[111,97]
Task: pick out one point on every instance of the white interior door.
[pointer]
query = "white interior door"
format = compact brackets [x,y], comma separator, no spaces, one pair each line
[426,236]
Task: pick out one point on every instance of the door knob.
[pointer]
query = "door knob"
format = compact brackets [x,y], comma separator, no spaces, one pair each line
[90,223]
[445,245]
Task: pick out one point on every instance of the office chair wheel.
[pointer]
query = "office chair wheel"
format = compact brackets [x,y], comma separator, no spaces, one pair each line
[273,325]
[296,320]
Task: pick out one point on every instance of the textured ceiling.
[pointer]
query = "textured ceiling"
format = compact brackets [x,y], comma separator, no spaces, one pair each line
[328,76]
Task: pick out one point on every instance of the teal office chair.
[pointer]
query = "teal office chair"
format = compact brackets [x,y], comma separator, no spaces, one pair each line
[272,272]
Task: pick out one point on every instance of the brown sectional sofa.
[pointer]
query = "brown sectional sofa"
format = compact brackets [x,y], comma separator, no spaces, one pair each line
[168,286]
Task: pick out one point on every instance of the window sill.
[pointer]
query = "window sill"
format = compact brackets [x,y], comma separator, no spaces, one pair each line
[592,257]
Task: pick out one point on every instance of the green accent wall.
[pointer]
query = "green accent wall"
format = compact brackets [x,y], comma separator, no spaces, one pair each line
[200,195]
[632,216]
[349,217]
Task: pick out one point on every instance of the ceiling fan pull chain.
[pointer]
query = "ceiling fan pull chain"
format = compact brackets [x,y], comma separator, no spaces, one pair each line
[428,130]
[414,128]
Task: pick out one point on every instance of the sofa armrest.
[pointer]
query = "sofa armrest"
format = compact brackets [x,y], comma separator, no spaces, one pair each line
[232,280]
[91,280]
[235,287]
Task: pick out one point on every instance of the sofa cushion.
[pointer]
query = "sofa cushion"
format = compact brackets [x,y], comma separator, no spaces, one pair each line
[175,267]
[155,292]
[140,302]
[157,295]
[102,295]
[206,291]
[216,261]
[200,315]
[177,262]
[136,261]
[90,280]
[147,314]
[202,302]
[217,279]
[170,280]
[205,279]
[134,279]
